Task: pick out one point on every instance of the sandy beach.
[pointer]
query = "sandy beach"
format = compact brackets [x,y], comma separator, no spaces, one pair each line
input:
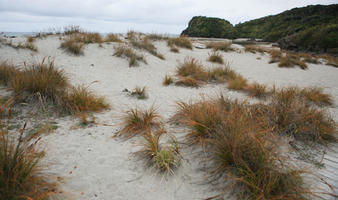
[90,163]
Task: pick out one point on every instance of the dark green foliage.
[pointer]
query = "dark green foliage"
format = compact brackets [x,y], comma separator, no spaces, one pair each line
[312,28]
[208,27]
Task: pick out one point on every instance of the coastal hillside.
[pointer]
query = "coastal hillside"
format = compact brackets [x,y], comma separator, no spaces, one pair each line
[312,28]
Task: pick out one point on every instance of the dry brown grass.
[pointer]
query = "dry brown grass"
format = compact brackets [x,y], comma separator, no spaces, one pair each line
[237,83]
[222,74]
[216,57]
[255,48]
[291,114]
[275,56]
[146,44]
[192,68]
[112,38]
[167,80]
[257,90]
[219,46]
[26,45]
[290,60]
[182,42]
[81,99]
[46,81]
[330,60]
[157,37]
[237,139]
[188,81]
[130,54]
[317,96]
[136,122]
[174,49]
[70,45]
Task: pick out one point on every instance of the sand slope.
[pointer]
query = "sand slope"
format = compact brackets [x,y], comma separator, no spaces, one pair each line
[93,165]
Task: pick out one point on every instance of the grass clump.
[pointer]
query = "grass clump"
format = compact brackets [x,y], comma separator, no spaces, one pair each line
[146,44]
[167,80]
[215,57]
[222,73]
[21,174]
[219,46]
[291,114]
[140,93]
[174,49]
[182,42]
[70,45]
[188,81]
[130,54]
[236,137]
[290,60]
[45,81]
[164,157]
[192,68]
[254,49]
[237,83]
[275,56]
[317,96]
[136,122]
[257,90]
[157,37]
[112,38]
[81,99]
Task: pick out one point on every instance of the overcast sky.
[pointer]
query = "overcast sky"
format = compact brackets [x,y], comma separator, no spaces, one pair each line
[150,16]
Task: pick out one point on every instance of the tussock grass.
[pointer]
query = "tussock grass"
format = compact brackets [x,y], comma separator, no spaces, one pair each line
[46,81]
[275,56]
[254,49]
[167,80]
[330,60]
[26,45]
[174,49]
[215,57]
[222,73]
[291,114]
[188,81]
[157,37]
[237,83]
[81,99]
[192,68]
[182,42]
[257,90]
[219,46]
[146,44]
[165,157]
[72,29]
[237,139]
[290,60]
[130,54]
[21,174]
[70,45]
[317,96]
[138,122]
[140,93]
[112,38]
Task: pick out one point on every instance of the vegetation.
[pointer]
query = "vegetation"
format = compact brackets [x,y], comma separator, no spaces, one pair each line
[140,93]
[208,27]
[312,28]
[164,157]
[257,90]
[167,80]
[46,81]
[216,57]
[237,139]
[220,46]
[136,122]
[146,44]
[112,38]
[237,83]
[130,54]
[21,174]
[72,46]
[182,42]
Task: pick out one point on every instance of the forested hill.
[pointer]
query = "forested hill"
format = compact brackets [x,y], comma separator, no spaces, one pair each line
[311,28]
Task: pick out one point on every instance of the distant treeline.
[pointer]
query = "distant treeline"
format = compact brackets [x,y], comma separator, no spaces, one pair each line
[312,28]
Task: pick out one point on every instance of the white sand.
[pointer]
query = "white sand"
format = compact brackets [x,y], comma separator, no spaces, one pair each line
[103,167]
